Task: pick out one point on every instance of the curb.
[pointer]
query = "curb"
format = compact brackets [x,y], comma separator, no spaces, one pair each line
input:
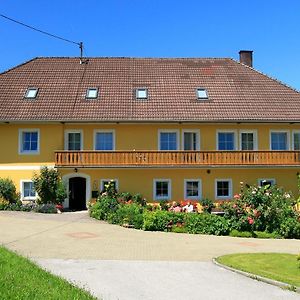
[280,284]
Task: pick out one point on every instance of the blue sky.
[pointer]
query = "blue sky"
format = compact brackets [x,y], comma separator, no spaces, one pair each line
[158,28]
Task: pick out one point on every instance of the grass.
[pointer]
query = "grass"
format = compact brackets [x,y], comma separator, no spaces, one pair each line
[20,279]
[277,266]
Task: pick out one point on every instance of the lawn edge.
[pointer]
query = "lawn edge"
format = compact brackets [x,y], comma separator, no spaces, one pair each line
[280,284]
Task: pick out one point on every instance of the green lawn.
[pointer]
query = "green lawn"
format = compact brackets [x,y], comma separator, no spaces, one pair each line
[21,279]
[277,266]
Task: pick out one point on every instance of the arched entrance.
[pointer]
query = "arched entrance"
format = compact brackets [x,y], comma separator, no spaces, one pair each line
[78,186]
[77,192]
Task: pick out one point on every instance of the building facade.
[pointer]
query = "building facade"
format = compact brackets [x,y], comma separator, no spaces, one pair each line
[170,129]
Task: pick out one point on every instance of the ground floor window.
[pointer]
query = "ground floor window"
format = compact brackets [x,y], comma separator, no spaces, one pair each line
[105,182]
[27,190]
[162,189]
[266,181]
[223,188]
[192,189]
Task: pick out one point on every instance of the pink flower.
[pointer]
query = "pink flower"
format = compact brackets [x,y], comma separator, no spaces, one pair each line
[250,220]
[237,196]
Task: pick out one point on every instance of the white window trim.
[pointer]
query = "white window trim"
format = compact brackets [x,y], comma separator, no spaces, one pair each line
[259,180]
[230,189]
[234,131]
[280,131]
[199,189]
[22,197]
[197,131]
[67,137]
[293,139]
[113,131]
[255,143]
[169,189]
[35,152]
[168,131]
[102,180]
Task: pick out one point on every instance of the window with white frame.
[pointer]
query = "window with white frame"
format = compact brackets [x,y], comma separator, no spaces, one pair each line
[248,140]
[168,140]
[266,181]
[223,188]
[73,140]
[190,140]
[104,183]
[279,140]
[29,141]
[162,189]
[226,140]
[141,94]
[104,140]
[192,189]
[296,140]
[27,190]
[91,93]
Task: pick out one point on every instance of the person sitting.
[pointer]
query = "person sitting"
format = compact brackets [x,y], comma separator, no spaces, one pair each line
[189,207]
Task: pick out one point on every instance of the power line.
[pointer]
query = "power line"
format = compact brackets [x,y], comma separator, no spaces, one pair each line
[80,44]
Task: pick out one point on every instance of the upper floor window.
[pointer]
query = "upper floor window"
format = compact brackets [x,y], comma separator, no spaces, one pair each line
[104,140]
[168,140]
[279,140]
[29,141]
[31,93]
[201,94]
[27,190]
[73,140]
[248,140]
[226,140]
[190,140]
[91,93]
[141,93]
[296,140]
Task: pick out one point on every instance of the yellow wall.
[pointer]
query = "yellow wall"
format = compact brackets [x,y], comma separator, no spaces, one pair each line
[140,137]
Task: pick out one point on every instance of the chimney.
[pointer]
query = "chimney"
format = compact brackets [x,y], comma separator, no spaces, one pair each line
[246,57]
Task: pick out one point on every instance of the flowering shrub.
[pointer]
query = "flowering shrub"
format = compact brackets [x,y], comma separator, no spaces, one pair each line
[263,208]
[8,191]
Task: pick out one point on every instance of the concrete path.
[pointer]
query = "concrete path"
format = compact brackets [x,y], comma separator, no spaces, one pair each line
[119,263]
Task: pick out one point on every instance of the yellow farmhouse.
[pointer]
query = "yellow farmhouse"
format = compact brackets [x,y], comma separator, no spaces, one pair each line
[170,129]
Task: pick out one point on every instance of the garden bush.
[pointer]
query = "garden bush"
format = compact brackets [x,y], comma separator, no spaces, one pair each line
[8,191]
[206,224]
[103,207]
[129,214]
[158,220]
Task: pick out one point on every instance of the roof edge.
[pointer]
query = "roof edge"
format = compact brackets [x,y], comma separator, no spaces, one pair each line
[19,65]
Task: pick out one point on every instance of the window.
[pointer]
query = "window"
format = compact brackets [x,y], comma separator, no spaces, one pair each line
[226,140]
[248,140]
[168,140]
[73,140]
[105,182]
[266,181]
[192,189]
[27,190]
[141,94]
[31,93]
[223,188]
[29,141]
[190,140]
[162,189]
[91,93]
[296,140]
[201,94]
[104,140]
[279,140]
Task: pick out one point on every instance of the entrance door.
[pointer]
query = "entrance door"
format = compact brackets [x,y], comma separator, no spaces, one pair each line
[77,192]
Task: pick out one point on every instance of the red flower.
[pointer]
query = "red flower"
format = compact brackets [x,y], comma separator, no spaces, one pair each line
[250,220]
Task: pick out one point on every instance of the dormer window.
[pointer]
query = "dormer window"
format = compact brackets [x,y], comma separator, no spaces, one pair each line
[91,93]
[141,94]
[31,93]
[202,94]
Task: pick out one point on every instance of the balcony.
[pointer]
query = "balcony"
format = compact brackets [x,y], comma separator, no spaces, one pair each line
[107,159]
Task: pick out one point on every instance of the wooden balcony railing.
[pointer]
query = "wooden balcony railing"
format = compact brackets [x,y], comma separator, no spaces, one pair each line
[175,158]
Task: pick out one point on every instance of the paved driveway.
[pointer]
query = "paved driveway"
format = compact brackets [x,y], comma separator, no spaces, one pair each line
[118,263]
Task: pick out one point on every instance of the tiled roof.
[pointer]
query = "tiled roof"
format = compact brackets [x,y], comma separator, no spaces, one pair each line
[236,92]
